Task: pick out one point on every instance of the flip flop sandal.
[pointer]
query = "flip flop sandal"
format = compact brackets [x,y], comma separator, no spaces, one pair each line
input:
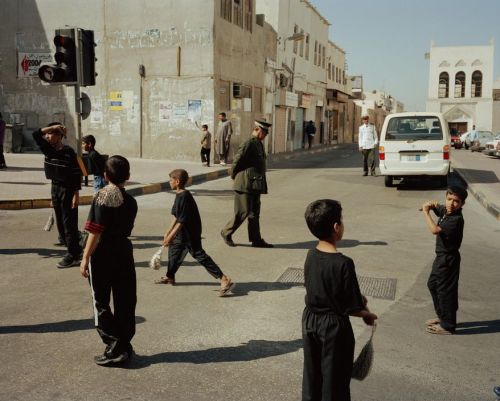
[432,322]
[165,280]
[436,329]
[227,289]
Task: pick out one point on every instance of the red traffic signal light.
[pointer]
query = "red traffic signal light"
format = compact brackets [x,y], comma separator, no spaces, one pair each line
[66,69]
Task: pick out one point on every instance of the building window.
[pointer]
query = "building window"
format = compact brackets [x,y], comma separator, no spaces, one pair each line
[329,71]
[315,52]
[343,78]
[444,85]
[307,46]
[301,49]
[460,84]
[477,84]
[295,42]
[257,100]
[323,57]
[238,13]
[337,79]
[248,15]
[225,9]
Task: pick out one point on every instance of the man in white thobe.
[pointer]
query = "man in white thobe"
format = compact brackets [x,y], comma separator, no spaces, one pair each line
[368,140]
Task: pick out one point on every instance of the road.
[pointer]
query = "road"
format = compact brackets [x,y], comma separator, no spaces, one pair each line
[192,345]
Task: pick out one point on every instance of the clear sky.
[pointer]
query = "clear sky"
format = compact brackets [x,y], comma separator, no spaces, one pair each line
[385,40]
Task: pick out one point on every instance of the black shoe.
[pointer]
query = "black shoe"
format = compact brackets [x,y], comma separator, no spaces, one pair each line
[261,244]
[227,239]
[365,174]
[68,261]
[373,174]
[59,243]
[104,359]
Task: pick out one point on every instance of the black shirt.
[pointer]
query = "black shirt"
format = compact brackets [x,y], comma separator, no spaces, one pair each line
[114,221]
[186,212]
[331,284]
[95,163]
[452,230]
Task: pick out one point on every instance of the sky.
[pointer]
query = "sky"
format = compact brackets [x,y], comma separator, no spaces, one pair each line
[386,40]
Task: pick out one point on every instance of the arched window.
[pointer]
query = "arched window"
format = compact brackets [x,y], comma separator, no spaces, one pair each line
[477,84]
[460,84]
[444,84]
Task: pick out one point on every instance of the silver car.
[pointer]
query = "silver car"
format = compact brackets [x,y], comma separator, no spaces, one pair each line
[480,142]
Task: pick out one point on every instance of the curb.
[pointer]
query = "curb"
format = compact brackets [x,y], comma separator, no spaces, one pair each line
[147,189]
[491,207]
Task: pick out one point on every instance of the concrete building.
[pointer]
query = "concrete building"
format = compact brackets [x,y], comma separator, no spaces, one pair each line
[461,85]
[199,59]
[300,70]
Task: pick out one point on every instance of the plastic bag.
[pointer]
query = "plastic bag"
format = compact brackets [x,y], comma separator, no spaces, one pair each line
[155,262]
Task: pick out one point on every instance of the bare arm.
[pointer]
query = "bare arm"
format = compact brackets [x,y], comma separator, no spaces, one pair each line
[171,232]
[426,208]
[368,317]
[90,247]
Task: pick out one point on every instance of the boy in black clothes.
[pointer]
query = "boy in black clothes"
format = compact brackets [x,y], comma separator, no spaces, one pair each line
[332,294]
[109,262]
[96,161]
[443,281]
[184,235]
[61,166]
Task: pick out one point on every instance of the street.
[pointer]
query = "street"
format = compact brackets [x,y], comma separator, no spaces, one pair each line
[192,345]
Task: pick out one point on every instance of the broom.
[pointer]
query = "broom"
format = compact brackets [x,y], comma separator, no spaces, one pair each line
[363,363]
[49,224]
[155,262]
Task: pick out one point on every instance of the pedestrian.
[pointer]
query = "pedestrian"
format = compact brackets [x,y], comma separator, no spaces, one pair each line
[96,161]
[61,167]
[108,262]
[443,280]
[310,131]
[2,138]
[368,140]
[332,295]
[206,144]
[184,235]
[223,138]
[249,175]
[473,136]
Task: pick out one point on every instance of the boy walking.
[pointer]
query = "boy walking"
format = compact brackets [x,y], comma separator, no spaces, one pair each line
[96,161]
[109,262]
[206,144]
[184,235]
[332,294]
[443,281]
[61,167]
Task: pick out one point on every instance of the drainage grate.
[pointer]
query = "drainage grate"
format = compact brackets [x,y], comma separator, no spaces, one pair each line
[384,288]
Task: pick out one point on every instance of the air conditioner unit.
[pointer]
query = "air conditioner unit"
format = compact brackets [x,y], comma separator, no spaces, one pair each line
[237,91]
[283,81]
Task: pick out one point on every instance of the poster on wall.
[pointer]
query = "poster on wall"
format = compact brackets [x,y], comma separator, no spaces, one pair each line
[180,112]
[96,113]
[165,111]
[29,63]
[194,110]
[115,101]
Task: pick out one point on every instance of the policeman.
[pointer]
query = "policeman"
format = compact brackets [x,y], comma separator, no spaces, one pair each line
[249,175]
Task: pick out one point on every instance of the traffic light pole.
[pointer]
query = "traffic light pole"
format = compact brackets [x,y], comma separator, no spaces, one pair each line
[78,110]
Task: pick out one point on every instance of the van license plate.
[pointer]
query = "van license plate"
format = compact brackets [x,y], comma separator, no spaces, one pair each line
[412,158]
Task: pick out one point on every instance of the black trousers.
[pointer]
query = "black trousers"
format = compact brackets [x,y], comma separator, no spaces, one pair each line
[2,157]
[112,271]
[246,205]
[368,160]
[443,286]
[178,250]
[328,342]
[66,218]
[205,156]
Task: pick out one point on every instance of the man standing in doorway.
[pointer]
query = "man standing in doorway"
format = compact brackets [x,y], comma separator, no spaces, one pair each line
[223,138]
[310,131]
[368,140]
[249,175]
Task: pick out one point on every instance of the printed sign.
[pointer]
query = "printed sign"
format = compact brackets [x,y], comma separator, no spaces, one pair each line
[29,63]
[194,110]
[115,101]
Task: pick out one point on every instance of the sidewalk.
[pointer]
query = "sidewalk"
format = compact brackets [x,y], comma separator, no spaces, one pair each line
[481,174]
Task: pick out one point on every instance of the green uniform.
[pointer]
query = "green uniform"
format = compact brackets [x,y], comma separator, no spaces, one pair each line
[249,174]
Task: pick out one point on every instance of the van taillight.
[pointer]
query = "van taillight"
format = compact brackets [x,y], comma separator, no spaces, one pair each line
[381,153]
[446,152]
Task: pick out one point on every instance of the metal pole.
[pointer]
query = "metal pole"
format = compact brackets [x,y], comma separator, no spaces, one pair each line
[78,111]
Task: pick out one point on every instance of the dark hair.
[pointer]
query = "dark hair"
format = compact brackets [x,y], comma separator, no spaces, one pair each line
[89,139]
[52,124]
[321,215]
[117,169]
[458,191]
[181,175]
[204,126]
[222,114]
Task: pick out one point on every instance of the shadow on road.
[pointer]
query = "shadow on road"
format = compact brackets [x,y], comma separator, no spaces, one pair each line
[250,351]
[56,327]
[43,252]
[480,327]
[346,243]
[479,176]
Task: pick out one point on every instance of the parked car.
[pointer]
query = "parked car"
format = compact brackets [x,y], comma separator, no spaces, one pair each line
[480,142]
[463,139]
[492,148]
[414,144]
[455,140]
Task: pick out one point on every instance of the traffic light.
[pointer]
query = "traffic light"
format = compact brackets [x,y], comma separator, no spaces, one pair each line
[87,57]
[65,71]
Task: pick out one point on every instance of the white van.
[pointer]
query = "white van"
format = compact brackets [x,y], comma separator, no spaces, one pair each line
[414,144]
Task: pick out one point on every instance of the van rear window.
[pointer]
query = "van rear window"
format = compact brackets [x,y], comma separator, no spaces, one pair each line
[414,129]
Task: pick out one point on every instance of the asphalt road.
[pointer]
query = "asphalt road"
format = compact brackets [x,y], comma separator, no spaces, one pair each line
[192,345]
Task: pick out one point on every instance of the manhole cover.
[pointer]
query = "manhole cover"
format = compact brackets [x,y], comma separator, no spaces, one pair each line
[384,288]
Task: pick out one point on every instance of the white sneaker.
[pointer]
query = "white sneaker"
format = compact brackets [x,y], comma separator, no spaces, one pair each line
[222,163]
